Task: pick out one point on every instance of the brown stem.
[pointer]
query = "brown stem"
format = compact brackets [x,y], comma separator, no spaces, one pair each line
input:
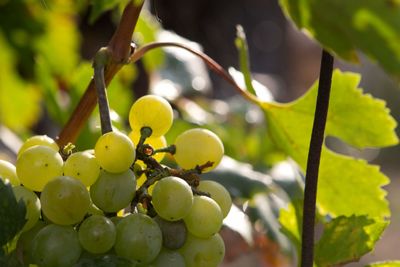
[212,64]
[120,49]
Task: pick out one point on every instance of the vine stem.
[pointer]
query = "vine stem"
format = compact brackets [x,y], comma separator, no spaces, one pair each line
[313,161]
[120,48]
[212,64]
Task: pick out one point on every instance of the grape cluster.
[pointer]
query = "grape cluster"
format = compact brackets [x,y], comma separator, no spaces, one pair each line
[118,200]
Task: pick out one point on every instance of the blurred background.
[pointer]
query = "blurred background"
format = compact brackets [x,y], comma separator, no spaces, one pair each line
[46,48]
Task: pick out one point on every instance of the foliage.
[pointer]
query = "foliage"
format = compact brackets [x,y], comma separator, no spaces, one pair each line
[358,119]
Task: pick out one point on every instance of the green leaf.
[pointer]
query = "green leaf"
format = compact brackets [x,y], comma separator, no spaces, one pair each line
[384,264]
[291,219]
[345,26]
[241,46]
[355,117]
[146,31]
[12,214]
[346,239]
[19,100]
[101,6]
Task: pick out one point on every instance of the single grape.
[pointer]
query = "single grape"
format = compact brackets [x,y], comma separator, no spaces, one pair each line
[172,198]
[197,147]
[113,191]
[199,252]
[138,238]
[204,218]
[168,258]
[151,111]
[8,172]
[115,152]
[97,234]
[32,204]
[82,166]
[65,200]
[25,240]
[37,165]
[56,246]
[94,210]
[173,233]
[155,142]
[219,193]
[38,140]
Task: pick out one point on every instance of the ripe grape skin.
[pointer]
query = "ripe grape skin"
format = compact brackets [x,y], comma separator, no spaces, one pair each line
[113,191]
[115,152]
[37,165]
[32,204]
[197,147]
[199,252]
[97,234]
[155,142]
[204,218]
[168,258]
[56,246]
[151,111]
[138,238]
[82,166]
[25,240]
[65,200]
[41,140]
[219,193]
[8,172]
[173,233]
[172,198]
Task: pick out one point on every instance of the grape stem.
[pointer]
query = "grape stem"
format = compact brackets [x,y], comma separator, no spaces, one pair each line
[121,48]
[100,61]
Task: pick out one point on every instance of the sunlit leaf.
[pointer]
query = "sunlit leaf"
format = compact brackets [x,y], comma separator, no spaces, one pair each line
[358,119]
[346,239]
[19,100]
[344,26]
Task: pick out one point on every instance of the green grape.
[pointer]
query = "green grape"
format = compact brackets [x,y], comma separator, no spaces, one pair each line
[172,198]
[56,246]
[25,240]
[93,210]
[37,166]
[219,193]
[113,191]
[173,233]
[199,252]
[115,152]
[8,172]
[197,147]
[82,166]
[204,218]
[155,142]
[65,200]
[38,140]
[32,204]
[138,238]
[97,234]
[151,111]
[168,258]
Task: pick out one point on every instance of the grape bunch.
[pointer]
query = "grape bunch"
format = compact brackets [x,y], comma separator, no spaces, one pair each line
[117,201]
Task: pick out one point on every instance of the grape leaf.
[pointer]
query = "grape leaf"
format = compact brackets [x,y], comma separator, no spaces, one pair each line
[351,237]
[19,100]
[384,264]
[344,26]
[354,117]
[290,219]
[12,214]
[101,6]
